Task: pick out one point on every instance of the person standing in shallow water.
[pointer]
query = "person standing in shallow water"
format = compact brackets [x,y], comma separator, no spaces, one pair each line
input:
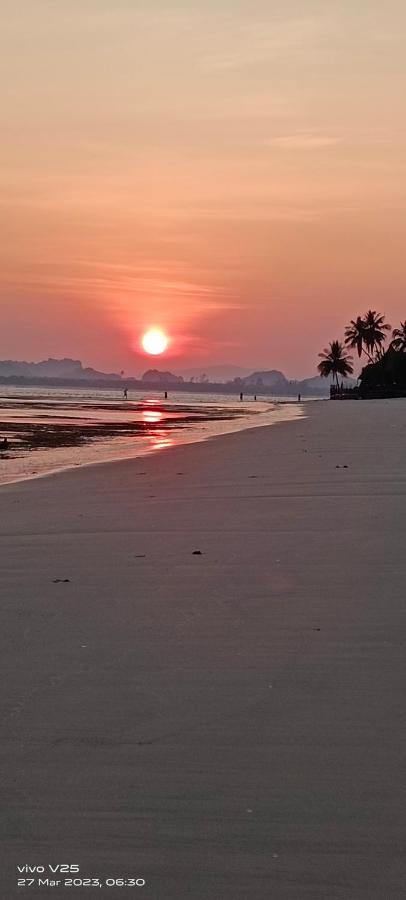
[125,394]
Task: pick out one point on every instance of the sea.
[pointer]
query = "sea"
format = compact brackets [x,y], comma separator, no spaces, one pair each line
[52,429]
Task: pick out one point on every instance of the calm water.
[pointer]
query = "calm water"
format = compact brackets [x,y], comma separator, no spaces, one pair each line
[108,427]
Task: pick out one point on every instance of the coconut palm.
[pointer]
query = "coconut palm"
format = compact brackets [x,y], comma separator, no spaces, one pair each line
[375,332]
[367,334]
[356,336]
[335,362]
[398,341]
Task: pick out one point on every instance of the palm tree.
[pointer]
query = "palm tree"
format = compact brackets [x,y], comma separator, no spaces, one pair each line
[367,334]
[375,332]
[356,336]
[399,338]
[335,362]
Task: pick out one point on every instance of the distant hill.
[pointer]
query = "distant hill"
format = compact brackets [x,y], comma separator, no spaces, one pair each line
[272,379]
[153,376]
[53,368]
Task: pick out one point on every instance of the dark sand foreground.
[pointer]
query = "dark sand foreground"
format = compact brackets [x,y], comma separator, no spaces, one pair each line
[227,725]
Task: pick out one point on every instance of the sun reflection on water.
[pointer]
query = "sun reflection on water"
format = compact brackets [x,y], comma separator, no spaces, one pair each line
[161,440]
[151,416]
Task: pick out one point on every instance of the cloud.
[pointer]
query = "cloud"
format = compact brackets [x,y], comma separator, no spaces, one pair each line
[303,141]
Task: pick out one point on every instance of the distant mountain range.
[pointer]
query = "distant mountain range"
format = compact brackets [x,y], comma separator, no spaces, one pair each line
[52,368]
[277,383]
[271,382]
[68,371]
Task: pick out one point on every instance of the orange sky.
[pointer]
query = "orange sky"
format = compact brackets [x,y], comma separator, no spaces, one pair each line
[233,172]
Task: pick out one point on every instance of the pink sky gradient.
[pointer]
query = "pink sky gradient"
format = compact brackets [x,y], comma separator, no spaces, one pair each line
[235,177]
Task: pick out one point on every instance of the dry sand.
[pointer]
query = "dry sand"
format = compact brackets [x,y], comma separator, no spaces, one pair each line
[228,724]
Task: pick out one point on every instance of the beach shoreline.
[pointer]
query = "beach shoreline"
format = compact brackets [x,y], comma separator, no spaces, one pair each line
[204,664]
[59,448]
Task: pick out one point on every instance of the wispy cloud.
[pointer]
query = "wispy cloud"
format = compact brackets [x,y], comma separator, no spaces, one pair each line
[303,141]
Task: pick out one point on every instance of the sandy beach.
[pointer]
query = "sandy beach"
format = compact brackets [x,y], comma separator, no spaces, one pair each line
[204,665]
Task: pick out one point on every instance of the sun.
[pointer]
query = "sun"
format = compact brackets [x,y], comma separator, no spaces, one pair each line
[154,341]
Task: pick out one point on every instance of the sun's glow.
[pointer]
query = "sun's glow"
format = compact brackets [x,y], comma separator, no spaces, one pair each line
[154,341]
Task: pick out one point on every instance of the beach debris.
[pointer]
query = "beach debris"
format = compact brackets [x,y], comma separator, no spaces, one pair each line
[253,476]
[197,553]
[61,580]
[248,810]
[139,555]
[316,629]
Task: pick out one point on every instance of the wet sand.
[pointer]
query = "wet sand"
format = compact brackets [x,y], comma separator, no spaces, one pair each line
[204,665]
[51,434]
[36,430]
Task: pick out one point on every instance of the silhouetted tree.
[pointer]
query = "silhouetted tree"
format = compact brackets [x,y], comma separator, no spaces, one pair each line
[398,341]
[356,336]
[335,362]
[375,332]
[386,377]
[367,334]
